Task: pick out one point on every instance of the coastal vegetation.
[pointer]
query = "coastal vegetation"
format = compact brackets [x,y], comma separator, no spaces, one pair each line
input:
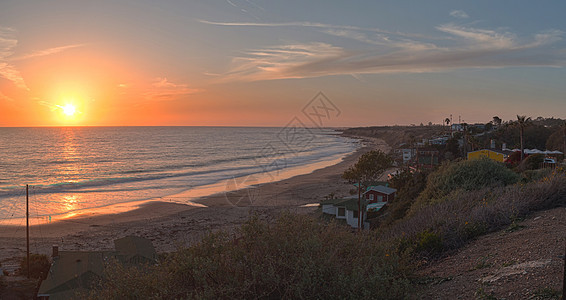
[437,210]
[39,265]
[297,256]
[462,176]
[291,257]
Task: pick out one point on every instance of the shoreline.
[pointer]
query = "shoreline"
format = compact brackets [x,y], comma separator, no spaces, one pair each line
[171,225]
[190,198]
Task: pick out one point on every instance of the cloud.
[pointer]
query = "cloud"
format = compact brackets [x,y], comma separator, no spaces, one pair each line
[315,25]
[459,14]
[464,47]
[163,89]
[7,46]
[48,51]
[5,98]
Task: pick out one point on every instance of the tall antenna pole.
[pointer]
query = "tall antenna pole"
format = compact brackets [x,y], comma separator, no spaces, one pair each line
[27,225]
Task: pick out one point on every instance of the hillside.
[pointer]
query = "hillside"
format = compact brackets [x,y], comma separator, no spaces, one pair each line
[395,135]
[520,262]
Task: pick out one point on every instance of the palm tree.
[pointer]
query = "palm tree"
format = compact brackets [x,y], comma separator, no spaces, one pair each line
[522,122]
[447,121]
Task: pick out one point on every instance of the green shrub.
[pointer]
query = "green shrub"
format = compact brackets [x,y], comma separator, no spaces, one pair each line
[468,175]
[428,242]
[39,266]
[409,186]
[532,162]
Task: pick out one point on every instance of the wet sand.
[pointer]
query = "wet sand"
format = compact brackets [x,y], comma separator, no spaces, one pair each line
[172,225]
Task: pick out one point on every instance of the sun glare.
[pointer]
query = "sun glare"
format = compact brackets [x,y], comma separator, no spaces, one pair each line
[69,109]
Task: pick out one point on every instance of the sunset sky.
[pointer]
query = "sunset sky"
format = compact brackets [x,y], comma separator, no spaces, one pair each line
[258,63]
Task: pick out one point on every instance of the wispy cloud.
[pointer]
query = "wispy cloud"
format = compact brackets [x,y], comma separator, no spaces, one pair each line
[8,44]
[48,51]
[310,25]
[481,37]
[463,47]
[5,98]
[162,89]
[459,14]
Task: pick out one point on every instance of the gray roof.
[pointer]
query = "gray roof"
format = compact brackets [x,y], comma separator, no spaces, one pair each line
[350,204]
[72,270]
[132,246]
[77,270]
[381,189]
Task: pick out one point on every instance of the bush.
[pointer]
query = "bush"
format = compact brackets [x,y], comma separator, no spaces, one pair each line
[409,185]
[464,216]
[294,257]
[536,175]
[465,175]
[532,162]
[429,242]
[39,266]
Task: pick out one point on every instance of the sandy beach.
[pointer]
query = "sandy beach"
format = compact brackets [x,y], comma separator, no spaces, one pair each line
[172,225]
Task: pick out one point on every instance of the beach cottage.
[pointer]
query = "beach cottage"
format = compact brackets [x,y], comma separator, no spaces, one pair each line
[76,271]
[379,193]
[346,209]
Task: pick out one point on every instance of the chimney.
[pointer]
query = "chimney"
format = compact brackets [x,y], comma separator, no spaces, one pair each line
[55,251]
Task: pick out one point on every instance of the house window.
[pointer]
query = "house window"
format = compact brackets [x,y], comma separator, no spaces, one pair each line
[370,196]
[356,214]
[341,211]
[380,198]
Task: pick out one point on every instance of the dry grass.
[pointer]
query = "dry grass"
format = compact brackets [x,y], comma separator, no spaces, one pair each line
[465,215]
[293,257]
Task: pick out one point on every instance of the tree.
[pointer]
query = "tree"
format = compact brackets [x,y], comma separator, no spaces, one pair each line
[369,167]
[497,121]
[522,122]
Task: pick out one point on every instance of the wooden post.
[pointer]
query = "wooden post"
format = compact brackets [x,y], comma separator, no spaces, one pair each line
[564,277]
[27,226]
[359,202]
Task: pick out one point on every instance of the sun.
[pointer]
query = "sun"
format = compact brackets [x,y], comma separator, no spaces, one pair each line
[69,109]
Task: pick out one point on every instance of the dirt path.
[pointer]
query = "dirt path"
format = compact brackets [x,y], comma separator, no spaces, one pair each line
[521,262]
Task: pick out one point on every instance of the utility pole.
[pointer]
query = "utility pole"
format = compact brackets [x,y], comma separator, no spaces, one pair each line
[27,226]
[359,202]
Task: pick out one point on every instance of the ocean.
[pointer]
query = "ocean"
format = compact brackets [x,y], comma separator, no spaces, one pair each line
[76,169]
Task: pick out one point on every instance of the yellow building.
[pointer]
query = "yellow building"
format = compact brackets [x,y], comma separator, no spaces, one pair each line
[489,153]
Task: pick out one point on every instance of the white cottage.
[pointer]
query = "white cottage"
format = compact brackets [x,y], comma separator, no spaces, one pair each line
[345,209]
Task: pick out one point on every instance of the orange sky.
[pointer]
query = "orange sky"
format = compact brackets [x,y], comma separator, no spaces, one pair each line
[242,63]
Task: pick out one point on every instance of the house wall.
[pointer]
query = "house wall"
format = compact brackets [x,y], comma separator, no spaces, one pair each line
[329,209]
[486,153]
[375,194]
[354,221]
